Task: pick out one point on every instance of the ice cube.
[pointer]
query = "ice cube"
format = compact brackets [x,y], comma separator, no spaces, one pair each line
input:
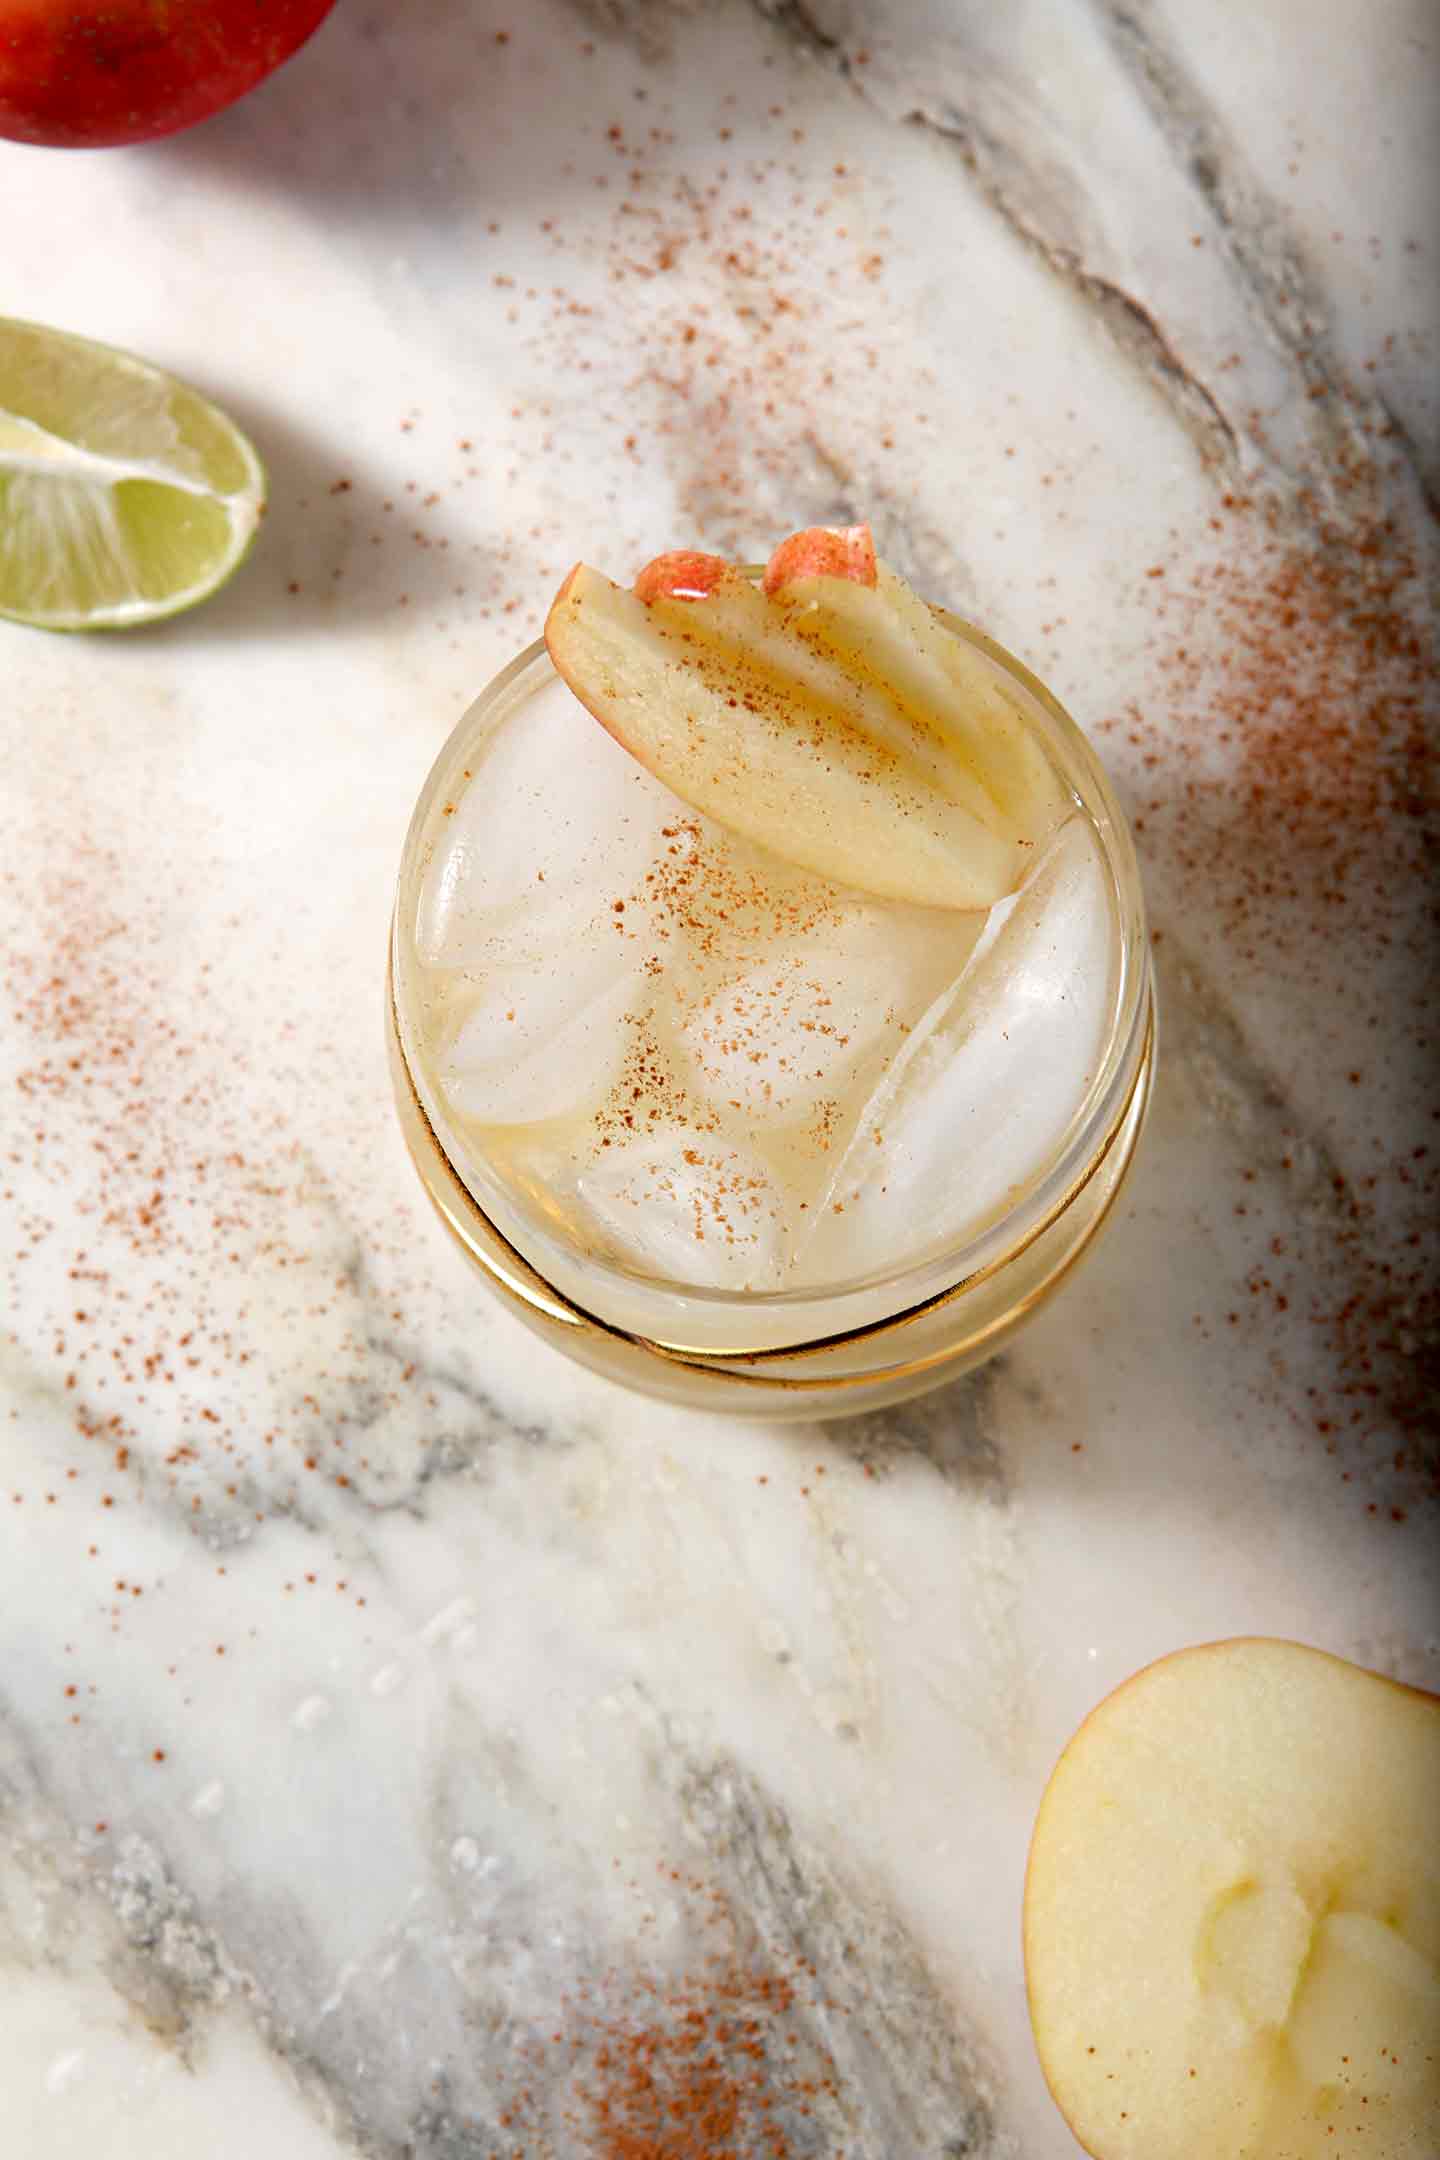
[545,1038]
[975,1105]
[553,825]
[791,1036]
[689,1208]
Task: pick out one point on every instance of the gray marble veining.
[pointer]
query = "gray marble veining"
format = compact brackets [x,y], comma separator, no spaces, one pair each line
[395,1722]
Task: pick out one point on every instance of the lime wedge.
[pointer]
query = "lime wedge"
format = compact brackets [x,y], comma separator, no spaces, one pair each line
[124,496]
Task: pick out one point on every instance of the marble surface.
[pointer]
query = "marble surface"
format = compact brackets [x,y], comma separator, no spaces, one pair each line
[401,1732]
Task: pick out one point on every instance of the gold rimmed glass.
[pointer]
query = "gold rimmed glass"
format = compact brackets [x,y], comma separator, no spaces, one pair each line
[794,1353]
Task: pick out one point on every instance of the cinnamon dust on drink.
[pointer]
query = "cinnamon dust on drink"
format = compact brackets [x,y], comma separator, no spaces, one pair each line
[704,908]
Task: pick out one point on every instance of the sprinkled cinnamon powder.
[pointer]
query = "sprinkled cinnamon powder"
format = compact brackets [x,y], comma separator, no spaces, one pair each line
[711,913]
[748,1034]
[719,2059]
[694,303]
[687,2074]
[701,302]
[1286,812]
[162,1213]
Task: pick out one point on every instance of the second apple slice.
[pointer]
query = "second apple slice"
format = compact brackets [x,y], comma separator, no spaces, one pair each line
[776,734]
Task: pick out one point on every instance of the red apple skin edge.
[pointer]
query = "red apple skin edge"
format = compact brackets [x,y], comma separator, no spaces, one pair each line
[1170,1657]
[841,551]
[88,74]
[684,574]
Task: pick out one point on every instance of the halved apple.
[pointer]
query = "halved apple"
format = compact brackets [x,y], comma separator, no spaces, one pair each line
[1232,1913]
[832,719]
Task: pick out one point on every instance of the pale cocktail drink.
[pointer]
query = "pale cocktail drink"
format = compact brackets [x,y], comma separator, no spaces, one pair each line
[729,1106]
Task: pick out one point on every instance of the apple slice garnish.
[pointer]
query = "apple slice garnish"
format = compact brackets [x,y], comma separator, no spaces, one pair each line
[830,718]
[876,629]
[1232,1913]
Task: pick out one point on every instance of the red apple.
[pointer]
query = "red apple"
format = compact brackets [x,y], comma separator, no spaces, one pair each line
[85,73]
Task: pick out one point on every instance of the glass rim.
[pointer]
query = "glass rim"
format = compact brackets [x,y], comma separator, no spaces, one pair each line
[939,1271]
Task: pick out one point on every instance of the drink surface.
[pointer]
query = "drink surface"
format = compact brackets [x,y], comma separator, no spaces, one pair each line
[660,1046]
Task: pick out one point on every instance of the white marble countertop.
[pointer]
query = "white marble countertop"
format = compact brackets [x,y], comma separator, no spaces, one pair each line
[399,1728]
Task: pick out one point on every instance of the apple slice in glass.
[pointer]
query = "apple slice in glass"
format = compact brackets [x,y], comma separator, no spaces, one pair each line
[1232,1913]
[825,714]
